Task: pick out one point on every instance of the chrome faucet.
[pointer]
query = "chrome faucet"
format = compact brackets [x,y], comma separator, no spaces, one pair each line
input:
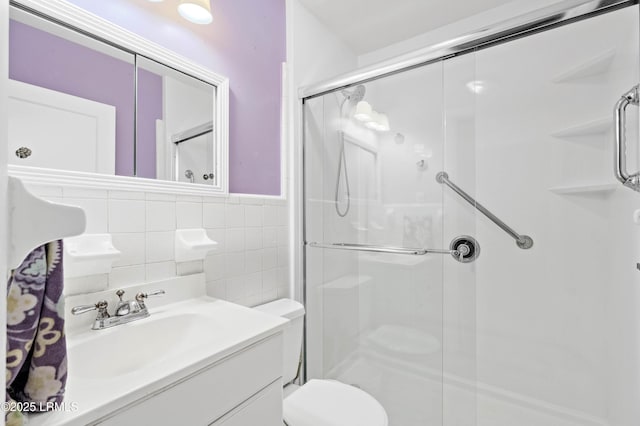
[125,311]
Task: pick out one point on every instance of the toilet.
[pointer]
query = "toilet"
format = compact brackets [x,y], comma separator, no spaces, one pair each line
[318,402]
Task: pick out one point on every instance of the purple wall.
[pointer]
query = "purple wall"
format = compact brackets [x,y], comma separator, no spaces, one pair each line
[247,43]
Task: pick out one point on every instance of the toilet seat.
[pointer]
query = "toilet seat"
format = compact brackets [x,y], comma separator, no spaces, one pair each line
[331,403]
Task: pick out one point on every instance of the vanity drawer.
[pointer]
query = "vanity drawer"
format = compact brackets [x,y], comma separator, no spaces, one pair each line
[264,409]
[208,395]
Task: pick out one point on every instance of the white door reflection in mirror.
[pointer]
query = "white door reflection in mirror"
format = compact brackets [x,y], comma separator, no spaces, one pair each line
[60,131]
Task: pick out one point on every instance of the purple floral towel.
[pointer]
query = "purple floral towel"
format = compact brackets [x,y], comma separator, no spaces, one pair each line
[36,344]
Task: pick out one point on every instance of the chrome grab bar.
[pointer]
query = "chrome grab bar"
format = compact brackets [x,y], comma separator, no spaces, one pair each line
[522,241]
[620,157]
[382,249]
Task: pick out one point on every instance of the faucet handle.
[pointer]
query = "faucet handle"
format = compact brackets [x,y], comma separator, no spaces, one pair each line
[101,306]
[141,296]
[120,293]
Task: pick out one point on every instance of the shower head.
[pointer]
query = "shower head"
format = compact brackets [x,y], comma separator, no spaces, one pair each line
[356,94]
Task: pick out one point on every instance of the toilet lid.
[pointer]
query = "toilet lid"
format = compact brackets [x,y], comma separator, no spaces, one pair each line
[331,403]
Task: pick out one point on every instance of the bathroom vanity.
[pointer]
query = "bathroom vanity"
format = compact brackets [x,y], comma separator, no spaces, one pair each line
[195,361]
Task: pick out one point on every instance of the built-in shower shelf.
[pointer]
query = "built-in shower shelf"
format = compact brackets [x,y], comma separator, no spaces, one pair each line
[603,189]
[599,127]
[595,66]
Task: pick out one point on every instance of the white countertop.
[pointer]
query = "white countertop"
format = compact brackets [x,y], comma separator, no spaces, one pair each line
[232,328]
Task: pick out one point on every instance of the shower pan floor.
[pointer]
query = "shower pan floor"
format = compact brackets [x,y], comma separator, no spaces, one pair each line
[414,395]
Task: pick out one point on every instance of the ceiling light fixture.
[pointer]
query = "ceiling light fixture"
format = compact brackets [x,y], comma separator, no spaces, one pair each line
[476,86]
[383,123]
[373,123]
[196,11]
[379,122]
[370,118]
[363,112]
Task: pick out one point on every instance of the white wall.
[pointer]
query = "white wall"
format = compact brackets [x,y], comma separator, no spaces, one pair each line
[248,267]
[554,322]
[313,53]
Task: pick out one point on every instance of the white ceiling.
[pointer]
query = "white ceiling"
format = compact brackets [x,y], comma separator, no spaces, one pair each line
[367,25]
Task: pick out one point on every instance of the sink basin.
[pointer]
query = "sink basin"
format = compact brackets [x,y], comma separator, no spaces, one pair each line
[131,347]
[186,334]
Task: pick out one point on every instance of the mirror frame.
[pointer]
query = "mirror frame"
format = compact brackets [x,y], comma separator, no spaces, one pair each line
[85,22]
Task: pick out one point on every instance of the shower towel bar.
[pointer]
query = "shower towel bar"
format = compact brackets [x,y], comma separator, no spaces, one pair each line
[523,241]
[382,249]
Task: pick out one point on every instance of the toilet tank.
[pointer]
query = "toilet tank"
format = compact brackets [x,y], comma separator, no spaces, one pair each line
[292,335]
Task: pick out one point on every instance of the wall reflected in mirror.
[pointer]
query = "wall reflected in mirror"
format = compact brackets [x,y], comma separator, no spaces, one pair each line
[80,104]
[71,100]
[177,110]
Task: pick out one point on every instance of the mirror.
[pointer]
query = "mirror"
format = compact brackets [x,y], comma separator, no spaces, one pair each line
[175,136]
[82,104]
[71,100]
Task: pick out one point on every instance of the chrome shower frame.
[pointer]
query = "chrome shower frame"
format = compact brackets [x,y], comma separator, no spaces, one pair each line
[530,23]
[547,18]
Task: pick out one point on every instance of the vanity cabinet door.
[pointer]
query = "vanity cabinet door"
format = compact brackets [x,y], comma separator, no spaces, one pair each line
[212,393]
[264,409]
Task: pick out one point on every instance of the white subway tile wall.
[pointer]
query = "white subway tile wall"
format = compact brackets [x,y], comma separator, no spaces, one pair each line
[161,216]
[249,265]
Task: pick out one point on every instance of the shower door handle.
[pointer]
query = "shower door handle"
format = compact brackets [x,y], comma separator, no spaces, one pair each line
[620,148]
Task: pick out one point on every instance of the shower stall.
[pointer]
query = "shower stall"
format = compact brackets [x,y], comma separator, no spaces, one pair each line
[470,257]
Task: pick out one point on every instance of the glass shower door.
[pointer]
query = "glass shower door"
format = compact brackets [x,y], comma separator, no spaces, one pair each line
[375,318]
[524,335]
[557,324]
